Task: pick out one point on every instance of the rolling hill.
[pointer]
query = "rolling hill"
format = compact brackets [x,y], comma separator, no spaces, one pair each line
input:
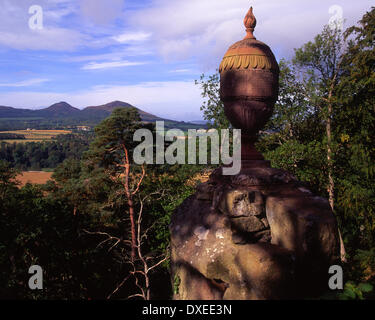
[61,109]
[106,109]
[63,114]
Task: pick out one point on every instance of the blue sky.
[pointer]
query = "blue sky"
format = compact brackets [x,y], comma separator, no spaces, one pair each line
[145,52]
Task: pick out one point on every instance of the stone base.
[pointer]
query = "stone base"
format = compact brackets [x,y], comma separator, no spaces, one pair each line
[257,235]
[246,164]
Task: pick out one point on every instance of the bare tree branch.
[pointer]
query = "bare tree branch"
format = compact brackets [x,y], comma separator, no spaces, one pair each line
[140,180]
[118,287]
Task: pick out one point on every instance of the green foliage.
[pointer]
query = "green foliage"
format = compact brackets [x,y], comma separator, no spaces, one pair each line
[176,284]
[8,181]
[353,291]
[172,182]
[213,107]
[48,154]
[35,229]
[112,135]
[366,261]
[294,116]
[320,60]
[302,160]
[356,127]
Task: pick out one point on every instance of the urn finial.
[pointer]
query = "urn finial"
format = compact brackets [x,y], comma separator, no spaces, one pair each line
[249,86]
[250,22]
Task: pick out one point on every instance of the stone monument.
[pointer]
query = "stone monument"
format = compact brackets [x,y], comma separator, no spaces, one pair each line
[259,234]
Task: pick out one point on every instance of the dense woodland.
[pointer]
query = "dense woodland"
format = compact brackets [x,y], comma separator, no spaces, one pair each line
[47,154]
[100,229]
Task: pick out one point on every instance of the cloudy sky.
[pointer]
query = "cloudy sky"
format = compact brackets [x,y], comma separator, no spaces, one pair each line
[145,52]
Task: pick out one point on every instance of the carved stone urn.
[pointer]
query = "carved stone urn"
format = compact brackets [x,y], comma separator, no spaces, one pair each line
[249,85]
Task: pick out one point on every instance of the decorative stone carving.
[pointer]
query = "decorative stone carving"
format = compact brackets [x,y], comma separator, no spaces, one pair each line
[249,85]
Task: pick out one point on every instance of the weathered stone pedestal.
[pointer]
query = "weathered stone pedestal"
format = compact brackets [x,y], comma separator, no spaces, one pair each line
[257,235]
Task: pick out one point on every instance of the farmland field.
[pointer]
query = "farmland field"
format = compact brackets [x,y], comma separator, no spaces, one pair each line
[34,135]
[34,177]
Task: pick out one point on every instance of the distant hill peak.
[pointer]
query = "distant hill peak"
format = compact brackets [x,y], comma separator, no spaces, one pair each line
[60,109]
[111,106]
[61,105]
[118,103]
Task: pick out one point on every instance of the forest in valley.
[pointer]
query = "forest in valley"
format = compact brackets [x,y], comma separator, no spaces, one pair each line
[100,227]
[46,154]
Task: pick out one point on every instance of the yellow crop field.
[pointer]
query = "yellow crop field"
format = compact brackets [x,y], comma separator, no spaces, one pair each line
[25,140]
[34,135]
[34,177]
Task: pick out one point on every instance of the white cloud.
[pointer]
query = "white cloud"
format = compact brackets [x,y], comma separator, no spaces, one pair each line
[180,29]
[64,24]
[101,12]
[110,64]
[16,34]
[204,29]
[25,83]
[180,71]
[54,39]
[58,14]
[132,37]
[111,56]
